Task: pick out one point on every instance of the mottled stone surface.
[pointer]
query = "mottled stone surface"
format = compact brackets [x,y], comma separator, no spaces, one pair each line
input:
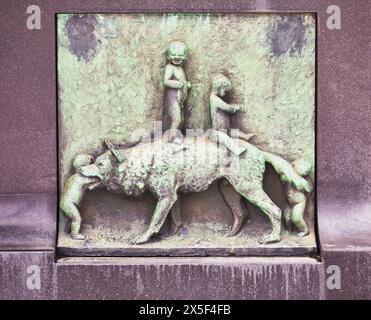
[288,36]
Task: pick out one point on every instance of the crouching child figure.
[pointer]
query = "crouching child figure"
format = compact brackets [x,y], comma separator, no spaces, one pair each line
[73,192]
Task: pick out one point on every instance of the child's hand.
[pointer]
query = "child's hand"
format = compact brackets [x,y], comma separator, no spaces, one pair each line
[236,108]
[189,85]
[180,85]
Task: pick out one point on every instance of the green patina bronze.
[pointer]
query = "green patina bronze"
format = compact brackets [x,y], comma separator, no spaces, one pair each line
[176,85]
[166,168]
[252,90]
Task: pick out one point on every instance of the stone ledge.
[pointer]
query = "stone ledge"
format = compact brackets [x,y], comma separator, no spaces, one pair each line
[190,278]
[344,225]
[184,278]
[28,221]
[15,273]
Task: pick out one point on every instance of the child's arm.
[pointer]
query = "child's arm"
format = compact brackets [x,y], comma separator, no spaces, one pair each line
[94,185]
[220,104]
[170,83]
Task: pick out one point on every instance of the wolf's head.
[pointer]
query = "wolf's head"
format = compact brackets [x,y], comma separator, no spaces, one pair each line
[102,167]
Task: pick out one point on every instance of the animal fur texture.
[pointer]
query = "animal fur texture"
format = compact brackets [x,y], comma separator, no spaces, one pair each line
[165,168]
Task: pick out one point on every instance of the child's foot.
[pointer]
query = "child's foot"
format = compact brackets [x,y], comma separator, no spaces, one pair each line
[302,234]
[246,136]
[78,236]
[237,150]
[240,150]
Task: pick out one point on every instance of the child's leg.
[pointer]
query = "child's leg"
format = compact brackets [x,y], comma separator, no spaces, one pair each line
[244,136]
[227,141]
[297,201]
[73,214]
[298,219]
[175,118]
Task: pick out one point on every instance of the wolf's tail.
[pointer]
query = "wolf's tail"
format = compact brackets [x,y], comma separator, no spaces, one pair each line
[287,172]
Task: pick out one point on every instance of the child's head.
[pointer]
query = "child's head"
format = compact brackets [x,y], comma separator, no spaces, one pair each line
[302,167]
[82,160]
[177,53]
[220,85]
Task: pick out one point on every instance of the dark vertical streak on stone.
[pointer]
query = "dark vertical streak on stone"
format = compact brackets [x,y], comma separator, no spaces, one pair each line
[80,31]
[288,36]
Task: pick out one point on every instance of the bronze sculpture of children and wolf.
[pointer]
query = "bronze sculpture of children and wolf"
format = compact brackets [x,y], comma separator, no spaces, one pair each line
[175,164]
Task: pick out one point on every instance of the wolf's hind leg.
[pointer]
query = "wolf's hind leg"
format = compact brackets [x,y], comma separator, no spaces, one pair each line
[163,207]
[259,198]
[233,200]
[176,221]
[287,218]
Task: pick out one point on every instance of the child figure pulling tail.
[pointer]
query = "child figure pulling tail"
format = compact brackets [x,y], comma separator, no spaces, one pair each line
[297,200]
[220,118]
[73,192]
[176,86]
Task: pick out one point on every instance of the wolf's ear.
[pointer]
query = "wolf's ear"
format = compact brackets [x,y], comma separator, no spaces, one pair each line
[119,156]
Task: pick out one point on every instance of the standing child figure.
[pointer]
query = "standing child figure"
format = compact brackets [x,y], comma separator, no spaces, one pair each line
[73,192]
[176,86]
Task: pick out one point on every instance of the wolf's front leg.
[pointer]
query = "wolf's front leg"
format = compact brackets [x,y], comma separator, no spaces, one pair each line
[163,207]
